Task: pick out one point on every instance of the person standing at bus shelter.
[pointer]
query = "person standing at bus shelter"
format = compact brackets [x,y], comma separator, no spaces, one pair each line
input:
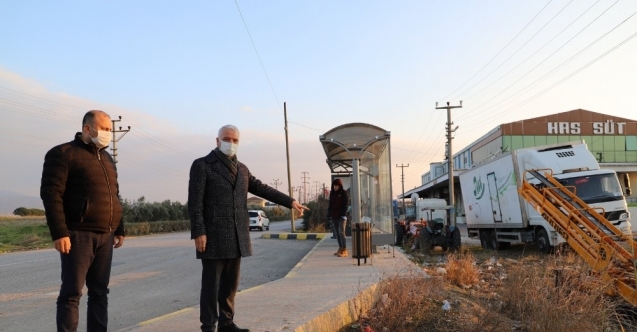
[337,214]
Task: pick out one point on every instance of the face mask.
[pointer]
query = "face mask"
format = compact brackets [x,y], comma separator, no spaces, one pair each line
[229,149]
[103,138]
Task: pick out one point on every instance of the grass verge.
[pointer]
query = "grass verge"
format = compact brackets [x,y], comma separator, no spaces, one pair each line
[29,233]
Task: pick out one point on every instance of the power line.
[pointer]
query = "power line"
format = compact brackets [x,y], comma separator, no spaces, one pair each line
[567,77]
[537,51]
[257,52]
[495,56]
[516,51]
[470,114]
[550,72]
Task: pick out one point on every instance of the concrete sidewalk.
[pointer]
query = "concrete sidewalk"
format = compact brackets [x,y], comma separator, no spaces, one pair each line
[321,293]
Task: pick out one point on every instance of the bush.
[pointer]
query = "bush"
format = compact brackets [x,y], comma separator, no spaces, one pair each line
[143,228]
[140,210]
[461,270]
[315,218]
[24,212]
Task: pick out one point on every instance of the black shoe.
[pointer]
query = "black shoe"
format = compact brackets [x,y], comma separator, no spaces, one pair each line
[231,328]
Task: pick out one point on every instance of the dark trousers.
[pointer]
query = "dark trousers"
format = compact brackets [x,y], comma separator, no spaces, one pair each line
[339,228]
[219,284]
[88,261]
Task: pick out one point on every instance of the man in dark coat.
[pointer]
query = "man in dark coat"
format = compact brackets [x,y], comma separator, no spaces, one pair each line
[220,225]
[80,195]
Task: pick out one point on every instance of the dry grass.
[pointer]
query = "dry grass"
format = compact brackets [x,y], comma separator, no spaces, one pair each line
[532,293]
[318,228]
[416,304]
[462,270]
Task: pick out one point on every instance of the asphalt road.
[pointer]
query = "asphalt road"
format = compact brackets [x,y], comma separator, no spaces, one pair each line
[151,276]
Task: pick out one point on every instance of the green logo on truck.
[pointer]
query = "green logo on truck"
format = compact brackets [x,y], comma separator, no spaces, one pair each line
[478,188]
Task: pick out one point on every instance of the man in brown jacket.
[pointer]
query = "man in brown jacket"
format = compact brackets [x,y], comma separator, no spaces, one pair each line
[80,195]
[220,225]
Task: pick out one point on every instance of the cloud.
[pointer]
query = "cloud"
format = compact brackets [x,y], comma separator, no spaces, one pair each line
[154,157]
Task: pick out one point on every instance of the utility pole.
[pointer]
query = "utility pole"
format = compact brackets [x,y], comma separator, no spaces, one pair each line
[115,140]
[316,189]
[452,200]
[276,184]
[287,155]
[402,179]
[305,177]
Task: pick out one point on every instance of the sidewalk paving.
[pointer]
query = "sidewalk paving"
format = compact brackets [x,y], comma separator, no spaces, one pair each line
[322,293]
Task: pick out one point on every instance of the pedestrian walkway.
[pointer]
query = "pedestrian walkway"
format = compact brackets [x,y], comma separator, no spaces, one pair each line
[322,293]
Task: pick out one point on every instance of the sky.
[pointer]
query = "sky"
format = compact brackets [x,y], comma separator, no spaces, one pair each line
[177,71]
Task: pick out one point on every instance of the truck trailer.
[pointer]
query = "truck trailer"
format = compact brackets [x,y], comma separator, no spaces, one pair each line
[496,214]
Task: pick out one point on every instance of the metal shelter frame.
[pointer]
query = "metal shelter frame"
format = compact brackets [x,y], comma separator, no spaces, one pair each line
[345,146]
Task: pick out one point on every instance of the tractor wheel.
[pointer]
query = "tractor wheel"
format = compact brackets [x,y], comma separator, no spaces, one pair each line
[455,240]
[427,240]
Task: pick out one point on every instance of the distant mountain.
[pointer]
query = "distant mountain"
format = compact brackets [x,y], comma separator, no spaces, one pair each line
[9,201]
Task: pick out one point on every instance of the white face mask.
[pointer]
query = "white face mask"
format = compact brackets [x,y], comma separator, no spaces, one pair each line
[103,138]
[229,149]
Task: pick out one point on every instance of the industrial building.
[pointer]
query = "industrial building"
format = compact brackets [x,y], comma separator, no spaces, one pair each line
[611,139]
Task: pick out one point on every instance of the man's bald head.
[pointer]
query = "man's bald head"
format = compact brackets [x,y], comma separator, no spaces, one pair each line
[90,117]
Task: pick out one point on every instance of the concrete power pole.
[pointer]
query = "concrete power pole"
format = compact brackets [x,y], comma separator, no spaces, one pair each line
[276,184]
[287,155]
[316,189]
[116,139]
[402,179]
[305,183]
[449,152]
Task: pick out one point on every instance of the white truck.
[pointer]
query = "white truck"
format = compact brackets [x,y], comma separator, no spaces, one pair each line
[497,215]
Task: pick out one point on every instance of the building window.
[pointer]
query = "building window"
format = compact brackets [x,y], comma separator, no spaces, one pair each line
[631,143]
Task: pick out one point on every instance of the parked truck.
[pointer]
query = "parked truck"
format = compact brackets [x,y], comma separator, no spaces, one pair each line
[497,215]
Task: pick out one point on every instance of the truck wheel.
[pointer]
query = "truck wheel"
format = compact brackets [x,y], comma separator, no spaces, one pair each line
[493,241]
[398,235]
[455,239]
[543,241]
[484,238]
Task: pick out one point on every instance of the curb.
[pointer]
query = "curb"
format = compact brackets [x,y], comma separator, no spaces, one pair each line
[295,236]
[343,314]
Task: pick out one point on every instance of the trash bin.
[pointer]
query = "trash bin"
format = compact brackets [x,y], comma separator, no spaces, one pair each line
[362,241]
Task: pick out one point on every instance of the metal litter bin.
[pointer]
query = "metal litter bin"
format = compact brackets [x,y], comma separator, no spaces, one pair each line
[362,241]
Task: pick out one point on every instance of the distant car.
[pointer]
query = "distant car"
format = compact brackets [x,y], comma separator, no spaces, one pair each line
[258,220]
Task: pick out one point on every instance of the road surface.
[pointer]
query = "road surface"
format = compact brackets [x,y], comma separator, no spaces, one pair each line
[151,276]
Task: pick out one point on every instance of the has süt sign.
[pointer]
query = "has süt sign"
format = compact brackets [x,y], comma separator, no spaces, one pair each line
[608,127]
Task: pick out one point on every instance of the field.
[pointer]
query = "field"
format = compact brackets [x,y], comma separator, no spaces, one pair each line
[23,233]
[27,233]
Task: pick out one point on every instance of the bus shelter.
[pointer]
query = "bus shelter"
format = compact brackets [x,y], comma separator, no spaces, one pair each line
[359,154]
